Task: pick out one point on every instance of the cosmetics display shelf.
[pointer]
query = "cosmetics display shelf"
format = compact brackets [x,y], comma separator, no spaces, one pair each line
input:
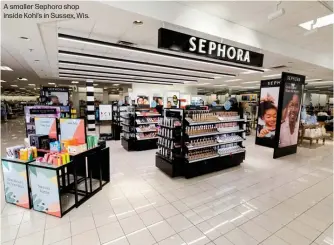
[169,157]
[212,144]
[215,133]
[195,123]
[117,118]
[139,129]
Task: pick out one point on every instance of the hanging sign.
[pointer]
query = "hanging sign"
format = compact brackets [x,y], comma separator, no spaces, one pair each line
[185,43]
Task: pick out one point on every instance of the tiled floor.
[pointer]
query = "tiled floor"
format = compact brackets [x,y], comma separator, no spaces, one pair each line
[288,201]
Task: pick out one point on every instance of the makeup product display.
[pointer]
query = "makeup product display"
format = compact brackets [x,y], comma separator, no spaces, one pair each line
[139,128]
[118,117]
[56,159]
[210,140]
[208,116]
[170,138]
[21,153]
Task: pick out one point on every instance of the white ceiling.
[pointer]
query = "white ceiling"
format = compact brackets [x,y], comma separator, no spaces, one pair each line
[111,24]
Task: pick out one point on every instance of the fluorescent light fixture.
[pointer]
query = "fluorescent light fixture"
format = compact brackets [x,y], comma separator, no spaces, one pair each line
[14,85]
[22,79]
[310,80]
[95,84]
[323,87]
[116,84]
[249,72]
[219,85]
[22,88]
[250,87]
[75,82]
[233,80]
[30,84]
[3,81]
[6,68]
[234,86]
[251,82]
[315,83]
[319,22]
[278,13]
[273,75]
[151,52]
[200,84]
[51,83]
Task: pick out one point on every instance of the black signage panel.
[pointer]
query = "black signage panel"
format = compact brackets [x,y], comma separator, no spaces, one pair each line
[56,89]
[291,93]
[267,113]
[185,43]
[36,111]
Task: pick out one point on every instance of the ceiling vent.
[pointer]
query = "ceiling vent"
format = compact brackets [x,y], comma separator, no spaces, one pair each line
[278,67]
[125,43]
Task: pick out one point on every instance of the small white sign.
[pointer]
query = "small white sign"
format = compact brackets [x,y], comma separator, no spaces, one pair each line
[105,112]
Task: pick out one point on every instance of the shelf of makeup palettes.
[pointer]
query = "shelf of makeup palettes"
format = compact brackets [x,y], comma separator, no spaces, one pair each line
[205,154]
[213,141]
[146,136]
[142,129]
[206,130]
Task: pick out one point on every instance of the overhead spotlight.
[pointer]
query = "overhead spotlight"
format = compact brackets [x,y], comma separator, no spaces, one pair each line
[138,22]
[278,13]
[22,79]
[75,82]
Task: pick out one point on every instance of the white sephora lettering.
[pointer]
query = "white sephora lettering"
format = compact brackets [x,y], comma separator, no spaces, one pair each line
[219,49]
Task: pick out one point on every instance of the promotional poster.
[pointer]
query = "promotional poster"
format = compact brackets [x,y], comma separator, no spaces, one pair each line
[105,112]
[56,96]
[46,126]
[289,106]
[290,114]
[45,190]
[15,183]
[30,112]
[142,100]
[73,128]
[267,113]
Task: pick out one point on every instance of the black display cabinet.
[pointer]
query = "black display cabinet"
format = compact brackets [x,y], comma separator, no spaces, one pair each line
[139,128]
[211,140]
[117,119]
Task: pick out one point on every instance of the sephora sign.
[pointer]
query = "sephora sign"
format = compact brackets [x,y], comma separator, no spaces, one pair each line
[185,43]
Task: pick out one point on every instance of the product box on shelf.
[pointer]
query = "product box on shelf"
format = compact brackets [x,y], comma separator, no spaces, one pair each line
[75,149]
[39,141]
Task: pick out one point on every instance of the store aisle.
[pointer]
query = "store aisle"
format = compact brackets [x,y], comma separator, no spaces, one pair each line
[263,201]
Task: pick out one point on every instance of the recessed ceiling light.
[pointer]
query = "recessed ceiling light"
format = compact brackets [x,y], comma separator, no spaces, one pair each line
[75,82]
[319,22]
[233,80]
[273,75]
[31,84]
[3,81]
[95,84]
[6,68]
[138,22]
[251,82]
[14,85]
[51,83]
[310,80]
[116,84]
[25,38]
[22,79]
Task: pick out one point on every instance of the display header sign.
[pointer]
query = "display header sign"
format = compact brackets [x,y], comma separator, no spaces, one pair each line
[185,43]
[43,111]
[73,129]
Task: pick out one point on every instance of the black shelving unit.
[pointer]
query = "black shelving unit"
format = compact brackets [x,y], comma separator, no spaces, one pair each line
[117,113]
[139,128]
[169,157]
[208,143]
